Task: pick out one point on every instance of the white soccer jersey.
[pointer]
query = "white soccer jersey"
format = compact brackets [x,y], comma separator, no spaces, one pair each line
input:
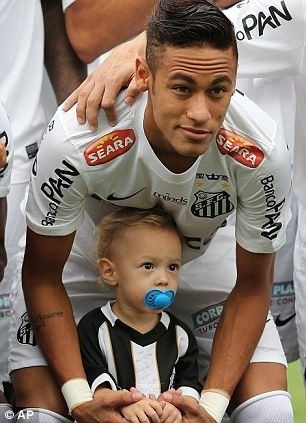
[6,138]
[247,168]
[273,34]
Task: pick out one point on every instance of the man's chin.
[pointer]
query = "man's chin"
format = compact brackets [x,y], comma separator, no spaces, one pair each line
[194,153]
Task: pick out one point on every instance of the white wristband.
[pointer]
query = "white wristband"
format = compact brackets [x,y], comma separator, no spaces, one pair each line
[76,392]
[215,403]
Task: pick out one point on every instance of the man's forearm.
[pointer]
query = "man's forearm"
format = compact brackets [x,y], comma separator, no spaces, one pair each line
[236,338]
[54,327]
[95,27]
[65,69]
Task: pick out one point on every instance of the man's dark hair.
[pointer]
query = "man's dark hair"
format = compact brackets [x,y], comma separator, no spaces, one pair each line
[187,23]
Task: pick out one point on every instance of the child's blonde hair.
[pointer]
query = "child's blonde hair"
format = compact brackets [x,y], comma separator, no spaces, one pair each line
[114,226]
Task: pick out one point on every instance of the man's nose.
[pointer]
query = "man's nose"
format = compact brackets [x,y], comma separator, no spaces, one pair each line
[198,109]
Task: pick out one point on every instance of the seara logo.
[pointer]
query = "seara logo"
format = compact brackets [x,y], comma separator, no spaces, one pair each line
[239,148]
[109,147]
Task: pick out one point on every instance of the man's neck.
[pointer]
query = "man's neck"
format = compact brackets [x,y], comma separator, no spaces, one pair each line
[173,161]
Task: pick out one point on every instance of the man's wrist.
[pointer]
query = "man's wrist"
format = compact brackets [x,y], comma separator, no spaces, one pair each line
[76,392]
[215,403]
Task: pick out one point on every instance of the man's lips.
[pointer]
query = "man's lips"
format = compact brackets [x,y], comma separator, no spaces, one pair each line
[194,134]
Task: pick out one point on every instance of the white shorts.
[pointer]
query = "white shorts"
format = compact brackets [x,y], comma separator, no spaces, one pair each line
[203,288]
[300,284]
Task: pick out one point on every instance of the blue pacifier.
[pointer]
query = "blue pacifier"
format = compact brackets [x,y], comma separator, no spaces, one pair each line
[157,299]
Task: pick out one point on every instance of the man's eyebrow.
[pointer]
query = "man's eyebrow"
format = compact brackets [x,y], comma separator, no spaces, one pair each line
[221,79]
[183,77]
[190,80]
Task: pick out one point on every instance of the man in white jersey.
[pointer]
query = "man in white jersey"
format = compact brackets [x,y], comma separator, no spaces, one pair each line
[199,171]
[262,29]
[6,148]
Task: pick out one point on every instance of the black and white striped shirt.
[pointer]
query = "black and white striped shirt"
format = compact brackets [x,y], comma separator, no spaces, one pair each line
[153,362]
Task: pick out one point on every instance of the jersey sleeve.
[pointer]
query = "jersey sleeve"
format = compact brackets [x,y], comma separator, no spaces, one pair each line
[57,189]
[94,361]
[186,368]
[6,138]
[263,203]
[66,4]
[270,34]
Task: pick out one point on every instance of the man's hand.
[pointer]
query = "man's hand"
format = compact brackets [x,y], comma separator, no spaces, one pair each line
[105,407]
[101,87]
[191,411]
[144,411]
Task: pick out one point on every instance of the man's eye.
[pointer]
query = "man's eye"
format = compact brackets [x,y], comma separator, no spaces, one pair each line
[148,266]
[218,91]
[182,89]
[173,267]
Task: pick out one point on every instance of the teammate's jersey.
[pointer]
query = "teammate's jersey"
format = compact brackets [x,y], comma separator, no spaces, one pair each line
[273,34]
[6,138]
[153,362]
[21,76]
[247,167]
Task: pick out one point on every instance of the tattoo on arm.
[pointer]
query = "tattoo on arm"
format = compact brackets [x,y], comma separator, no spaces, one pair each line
[41,320]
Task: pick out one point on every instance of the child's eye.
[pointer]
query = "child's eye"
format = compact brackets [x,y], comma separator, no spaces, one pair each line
[148,266]
[173,267]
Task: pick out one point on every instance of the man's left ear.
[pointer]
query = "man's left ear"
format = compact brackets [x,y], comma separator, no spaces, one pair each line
[142,74]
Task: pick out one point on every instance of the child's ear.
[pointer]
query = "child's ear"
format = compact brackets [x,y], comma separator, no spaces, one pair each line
[107,271]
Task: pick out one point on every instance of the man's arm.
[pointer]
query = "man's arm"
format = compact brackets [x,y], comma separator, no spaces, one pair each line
[48,305]
[242,320]
[95,26]
[65,69]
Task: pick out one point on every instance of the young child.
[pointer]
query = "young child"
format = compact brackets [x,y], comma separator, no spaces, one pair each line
[132,342]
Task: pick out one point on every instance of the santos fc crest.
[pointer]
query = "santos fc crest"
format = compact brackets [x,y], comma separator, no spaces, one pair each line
[211,204]
[25,333]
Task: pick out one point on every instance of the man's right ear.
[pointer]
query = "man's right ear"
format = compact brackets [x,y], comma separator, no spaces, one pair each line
[107,271]
[142,74]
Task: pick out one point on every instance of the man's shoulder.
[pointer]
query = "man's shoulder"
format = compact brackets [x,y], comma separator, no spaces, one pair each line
[125,115]
[113,138]
[249,123]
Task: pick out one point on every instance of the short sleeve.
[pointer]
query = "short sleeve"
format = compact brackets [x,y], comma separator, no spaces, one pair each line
[6,138]
[263,209]
[57,189]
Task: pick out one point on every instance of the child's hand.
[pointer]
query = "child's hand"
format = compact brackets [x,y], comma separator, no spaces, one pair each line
[144,411]
[171,414]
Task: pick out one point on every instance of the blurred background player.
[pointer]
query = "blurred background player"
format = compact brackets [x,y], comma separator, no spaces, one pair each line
[6,164]
[29,100]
